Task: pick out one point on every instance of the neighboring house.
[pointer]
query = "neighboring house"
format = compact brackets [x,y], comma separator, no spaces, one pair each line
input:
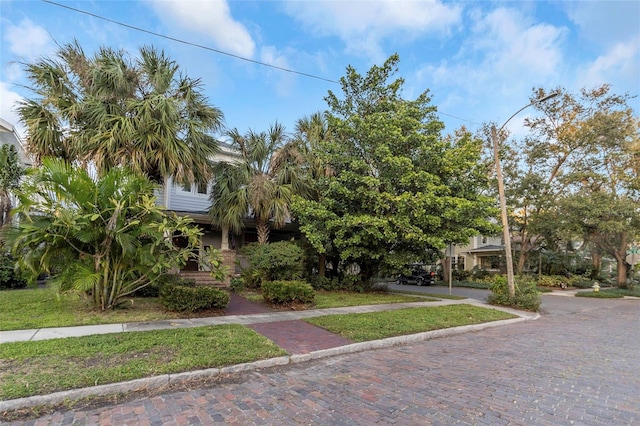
[9,135]
[482,252]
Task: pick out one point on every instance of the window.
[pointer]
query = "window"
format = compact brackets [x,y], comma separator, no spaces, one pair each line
[198,188]
[202,188]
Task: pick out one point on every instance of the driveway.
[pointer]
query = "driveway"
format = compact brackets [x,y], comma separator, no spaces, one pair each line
[576,365]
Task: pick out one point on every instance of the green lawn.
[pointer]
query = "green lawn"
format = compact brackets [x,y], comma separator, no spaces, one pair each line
[42,367]
[42,308]
[338,299]
[380,325]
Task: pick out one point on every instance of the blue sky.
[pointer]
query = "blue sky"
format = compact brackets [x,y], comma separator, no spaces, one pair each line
[479,59]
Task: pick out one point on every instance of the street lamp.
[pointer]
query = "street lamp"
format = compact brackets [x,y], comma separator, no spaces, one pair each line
[503,200]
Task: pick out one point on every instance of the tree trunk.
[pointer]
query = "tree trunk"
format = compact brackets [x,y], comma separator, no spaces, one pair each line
[322,265]
[524,253]
[445,268]
[5,208]
[263,231]
[596,260]
[621,269]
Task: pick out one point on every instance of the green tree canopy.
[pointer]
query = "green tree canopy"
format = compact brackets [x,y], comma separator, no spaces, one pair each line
[581,178]
[110,110]
[102,236]
[398,191]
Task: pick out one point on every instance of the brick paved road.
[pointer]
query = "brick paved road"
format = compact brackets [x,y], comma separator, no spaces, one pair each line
[578,364]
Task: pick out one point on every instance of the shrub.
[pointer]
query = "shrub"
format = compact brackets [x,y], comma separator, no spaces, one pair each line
[286,292]
[153,289]
[181,298]
[526,295]
[479,274]
[237,284]
[9,279]
[460,275]
[554,281]
[282,260]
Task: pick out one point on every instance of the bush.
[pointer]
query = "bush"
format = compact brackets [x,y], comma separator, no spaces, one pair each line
[526,295]
[460,275]
[282,260]
[237,284]
[286,292]
[181,298]
[9,279]
[153,289]
[554,281]
[325,283]
[479,274]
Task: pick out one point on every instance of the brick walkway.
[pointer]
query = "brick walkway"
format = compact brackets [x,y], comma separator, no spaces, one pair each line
[577,365]
[295,337]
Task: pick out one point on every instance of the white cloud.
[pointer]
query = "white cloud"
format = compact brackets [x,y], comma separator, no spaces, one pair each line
[209,18]
[504,55]
[284,85]
[8,100]
[27,40]
[622,60]
[363,25]
[605,22]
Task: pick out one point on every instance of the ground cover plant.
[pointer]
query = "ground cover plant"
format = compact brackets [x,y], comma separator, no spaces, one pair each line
[42,367]
[610,293]
[380,325]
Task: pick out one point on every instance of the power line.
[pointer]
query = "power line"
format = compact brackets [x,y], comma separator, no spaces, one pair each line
[214,50]
[189,43]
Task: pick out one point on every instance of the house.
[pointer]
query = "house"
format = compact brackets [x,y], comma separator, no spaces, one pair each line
[482,252]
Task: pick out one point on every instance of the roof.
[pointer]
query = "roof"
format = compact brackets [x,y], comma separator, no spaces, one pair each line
[487,249]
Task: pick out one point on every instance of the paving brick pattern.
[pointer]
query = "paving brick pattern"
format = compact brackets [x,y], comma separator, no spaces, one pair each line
[571,367]
[299,337]
[295,337]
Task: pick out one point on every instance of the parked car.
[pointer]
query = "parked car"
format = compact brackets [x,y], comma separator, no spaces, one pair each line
[418,273]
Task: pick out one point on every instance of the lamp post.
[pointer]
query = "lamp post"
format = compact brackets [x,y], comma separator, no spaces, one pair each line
[503,200]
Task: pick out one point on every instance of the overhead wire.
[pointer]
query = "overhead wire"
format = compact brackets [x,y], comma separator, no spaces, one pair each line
[200,46]
[113,21]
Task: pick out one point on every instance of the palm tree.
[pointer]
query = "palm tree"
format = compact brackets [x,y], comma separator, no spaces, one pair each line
[109,110]
[310,133]
[10,173]
[259,186]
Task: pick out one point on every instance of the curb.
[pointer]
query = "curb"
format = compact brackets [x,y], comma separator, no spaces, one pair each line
[158,382]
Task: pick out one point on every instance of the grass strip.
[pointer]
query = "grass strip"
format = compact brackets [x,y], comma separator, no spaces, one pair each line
[431,296]
[42,367]
[379,325]
[339,299]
